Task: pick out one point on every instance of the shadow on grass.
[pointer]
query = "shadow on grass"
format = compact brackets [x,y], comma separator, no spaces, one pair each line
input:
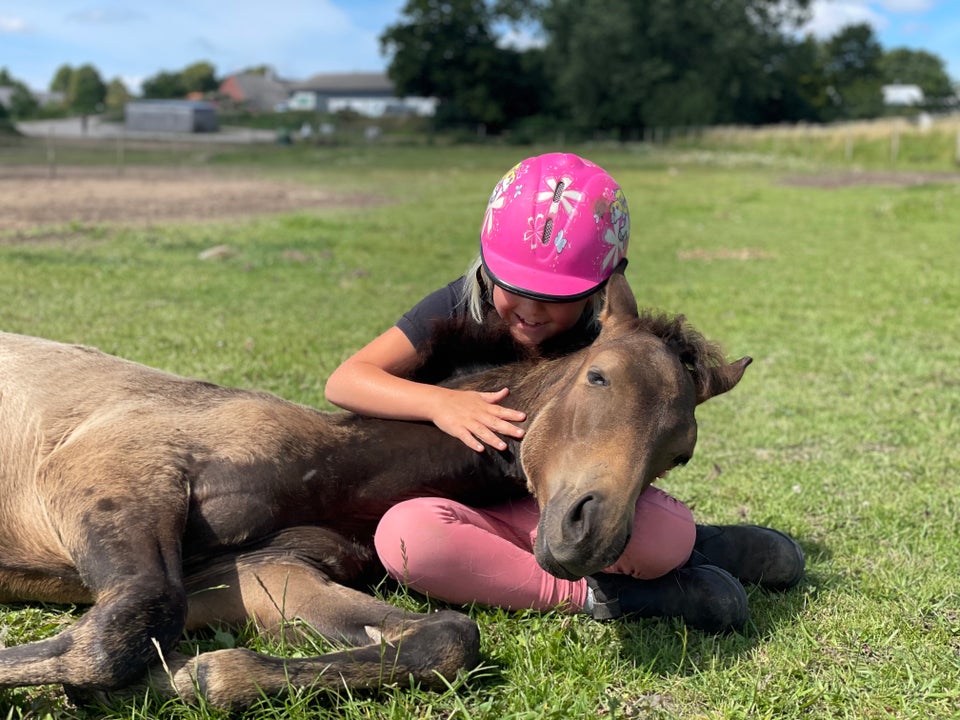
[668,647]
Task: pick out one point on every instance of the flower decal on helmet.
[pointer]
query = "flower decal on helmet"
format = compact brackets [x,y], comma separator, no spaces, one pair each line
[499,196]
[534,232]
[560,195]
[618,233]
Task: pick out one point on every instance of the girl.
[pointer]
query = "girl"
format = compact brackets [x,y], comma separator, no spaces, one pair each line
[555,229]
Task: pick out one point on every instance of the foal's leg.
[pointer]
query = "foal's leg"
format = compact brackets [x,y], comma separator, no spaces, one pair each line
[392,645]
[126,551]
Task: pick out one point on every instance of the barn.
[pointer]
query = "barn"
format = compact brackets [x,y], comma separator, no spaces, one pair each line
[171,116]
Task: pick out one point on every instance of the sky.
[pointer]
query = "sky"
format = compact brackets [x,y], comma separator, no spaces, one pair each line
[136,39]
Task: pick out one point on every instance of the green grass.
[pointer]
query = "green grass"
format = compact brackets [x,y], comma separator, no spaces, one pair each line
[843,432]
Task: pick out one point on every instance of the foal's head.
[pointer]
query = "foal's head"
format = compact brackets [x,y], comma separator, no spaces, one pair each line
[623,414]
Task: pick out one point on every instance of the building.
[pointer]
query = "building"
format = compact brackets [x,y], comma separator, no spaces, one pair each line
[43,98]
[369,94]
[254,91]
[902,95]
[170,116]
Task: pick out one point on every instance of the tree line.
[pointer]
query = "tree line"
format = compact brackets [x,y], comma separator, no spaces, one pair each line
[618,66]
[629,65]
[84,91]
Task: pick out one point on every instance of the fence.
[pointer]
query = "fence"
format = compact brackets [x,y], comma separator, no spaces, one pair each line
[928,140]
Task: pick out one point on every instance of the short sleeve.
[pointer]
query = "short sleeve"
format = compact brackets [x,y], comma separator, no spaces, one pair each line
[441,304]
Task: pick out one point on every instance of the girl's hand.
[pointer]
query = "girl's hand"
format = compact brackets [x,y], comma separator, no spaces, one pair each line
[476,418]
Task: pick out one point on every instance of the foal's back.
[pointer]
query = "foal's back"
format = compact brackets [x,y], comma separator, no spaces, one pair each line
[85,435]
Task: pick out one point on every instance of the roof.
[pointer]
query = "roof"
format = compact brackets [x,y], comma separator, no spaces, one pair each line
[154,107]
[342,83]
[258,90]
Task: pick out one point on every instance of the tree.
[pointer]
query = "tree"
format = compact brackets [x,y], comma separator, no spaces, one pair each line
[262,70]
[117,95]
[629,64]
[87,91]
[446,49]
[61,80]
[918,67]
[6,127]
[801,85]
[22,102]
[852,67]
[199,77]
[164,85]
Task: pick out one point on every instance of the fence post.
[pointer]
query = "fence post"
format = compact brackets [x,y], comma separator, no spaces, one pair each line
[848,150]
[894,145]
[120,152]
[51,155]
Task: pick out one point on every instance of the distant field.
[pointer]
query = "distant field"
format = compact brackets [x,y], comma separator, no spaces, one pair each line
[842,285]
[925,142]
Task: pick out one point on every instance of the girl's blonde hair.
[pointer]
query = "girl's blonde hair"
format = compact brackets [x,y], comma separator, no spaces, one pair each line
[479,287]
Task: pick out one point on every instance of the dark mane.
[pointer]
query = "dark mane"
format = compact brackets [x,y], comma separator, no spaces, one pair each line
[696,353]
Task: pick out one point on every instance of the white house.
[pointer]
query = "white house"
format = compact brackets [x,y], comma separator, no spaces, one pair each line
[902,95]
[369,94]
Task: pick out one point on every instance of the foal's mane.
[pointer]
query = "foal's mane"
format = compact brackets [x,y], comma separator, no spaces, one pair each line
[697,354]
[461,347]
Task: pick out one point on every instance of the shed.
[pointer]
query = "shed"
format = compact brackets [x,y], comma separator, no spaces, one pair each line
[171,116]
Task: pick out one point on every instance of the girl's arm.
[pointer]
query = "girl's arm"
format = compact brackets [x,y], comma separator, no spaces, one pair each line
[369,382]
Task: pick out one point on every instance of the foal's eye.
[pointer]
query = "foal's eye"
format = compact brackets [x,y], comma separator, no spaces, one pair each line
[596,377]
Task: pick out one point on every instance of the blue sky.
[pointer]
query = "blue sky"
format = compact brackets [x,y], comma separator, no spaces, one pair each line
[299,38]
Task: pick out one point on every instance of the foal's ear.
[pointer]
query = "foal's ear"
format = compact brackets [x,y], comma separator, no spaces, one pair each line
[718,379]
[621,304]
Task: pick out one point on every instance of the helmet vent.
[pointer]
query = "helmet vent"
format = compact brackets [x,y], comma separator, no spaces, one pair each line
[558,191]
[547,231]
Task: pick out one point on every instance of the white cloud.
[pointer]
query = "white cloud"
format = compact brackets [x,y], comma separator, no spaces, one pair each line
[12,25]
[105,16]
[828,17]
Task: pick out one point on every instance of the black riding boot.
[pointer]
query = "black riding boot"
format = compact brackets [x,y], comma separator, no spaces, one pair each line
[751,553]
[706,597]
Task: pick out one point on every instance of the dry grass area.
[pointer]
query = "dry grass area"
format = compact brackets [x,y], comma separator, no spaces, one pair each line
[878,128]
[871,177]
[30,198]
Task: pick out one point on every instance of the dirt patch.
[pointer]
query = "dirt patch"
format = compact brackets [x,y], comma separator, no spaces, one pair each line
[29,198]
[852,179]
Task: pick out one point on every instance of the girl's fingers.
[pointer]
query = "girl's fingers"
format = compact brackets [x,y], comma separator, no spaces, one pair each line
[470,441]
[505,428]
[504,413]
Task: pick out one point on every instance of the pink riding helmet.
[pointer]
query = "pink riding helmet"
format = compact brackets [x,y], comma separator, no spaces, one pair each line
[555,229]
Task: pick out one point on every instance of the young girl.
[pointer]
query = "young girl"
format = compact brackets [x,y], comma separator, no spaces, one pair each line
[555,229]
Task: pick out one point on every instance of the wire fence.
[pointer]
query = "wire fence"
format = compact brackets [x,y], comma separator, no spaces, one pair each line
[50,146]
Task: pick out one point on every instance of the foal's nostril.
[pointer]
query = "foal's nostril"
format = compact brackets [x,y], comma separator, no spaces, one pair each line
[576,524]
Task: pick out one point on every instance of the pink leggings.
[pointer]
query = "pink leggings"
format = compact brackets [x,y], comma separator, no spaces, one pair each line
[460,554]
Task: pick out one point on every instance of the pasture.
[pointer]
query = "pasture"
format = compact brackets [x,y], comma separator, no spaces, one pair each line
[266,270]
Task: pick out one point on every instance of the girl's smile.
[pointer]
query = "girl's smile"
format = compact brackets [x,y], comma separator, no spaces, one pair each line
[532,322]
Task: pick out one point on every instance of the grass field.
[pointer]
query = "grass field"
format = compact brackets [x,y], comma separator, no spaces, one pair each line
[843,432]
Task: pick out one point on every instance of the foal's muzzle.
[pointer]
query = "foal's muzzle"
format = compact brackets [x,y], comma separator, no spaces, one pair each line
[582,536]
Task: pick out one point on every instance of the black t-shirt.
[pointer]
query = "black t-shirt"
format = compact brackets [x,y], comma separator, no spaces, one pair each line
[443,304]
[447,303]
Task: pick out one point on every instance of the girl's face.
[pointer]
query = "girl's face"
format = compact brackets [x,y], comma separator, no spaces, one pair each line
[531,322]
